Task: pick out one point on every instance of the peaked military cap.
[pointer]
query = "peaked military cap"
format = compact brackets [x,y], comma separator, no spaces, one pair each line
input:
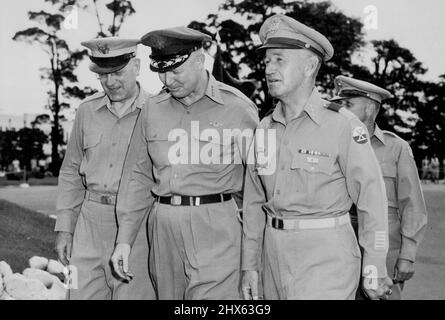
[347,88]
[281,31]
[110,54]
[172,47]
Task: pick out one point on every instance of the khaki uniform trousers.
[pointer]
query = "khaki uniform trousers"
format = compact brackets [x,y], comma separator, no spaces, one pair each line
[316,264]
[395,243]
[93,245]
[195,251]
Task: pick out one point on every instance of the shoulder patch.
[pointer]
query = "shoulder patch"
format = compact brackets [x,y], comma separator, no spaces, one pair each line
[359,135]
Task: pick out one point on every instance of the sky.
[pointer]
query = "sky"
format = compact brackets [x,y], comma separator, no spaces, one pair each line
[416,25]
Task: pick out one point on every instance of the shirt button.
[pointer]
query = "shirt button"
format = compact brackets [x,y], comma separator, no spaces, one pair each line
[114,144]
[111,165]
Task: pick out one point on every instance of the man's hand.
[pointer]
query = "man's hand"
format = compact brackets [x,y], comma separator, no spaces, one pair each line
[381,290]
[249,285]
[119,260]
[404,270]
[64,244]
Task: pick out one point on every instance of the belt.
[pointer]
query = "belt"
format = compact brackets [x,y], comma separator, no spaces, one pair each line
[296,224]
[194,201]
[103,198]
[353,211]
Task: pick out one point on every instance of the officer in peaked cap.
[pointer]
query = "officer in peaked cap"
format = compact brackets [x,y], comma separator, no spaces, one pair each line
[91,174]
[407,215]
[111,54]
[296,200]
[348,88]
[195,233]
[281,31]
[170,48]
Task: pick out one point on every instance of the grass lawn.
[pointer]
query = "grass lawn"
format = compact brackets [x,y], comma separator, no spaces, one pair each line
[24,233]
[47,181]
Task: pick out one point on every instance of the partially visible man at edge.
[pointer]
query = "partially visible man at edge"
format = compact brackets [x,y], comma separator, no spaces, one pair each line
[407,215]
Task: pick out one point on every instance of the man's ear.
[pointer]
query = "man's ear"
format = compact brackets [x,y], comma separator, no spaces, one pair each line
[199,60]
[372,109]
[137,65]
[312,66]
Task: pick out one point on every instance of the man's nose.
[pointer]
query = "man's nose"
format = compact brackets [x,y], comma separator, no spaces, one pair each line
[111,79]
[169,78]
[270,69]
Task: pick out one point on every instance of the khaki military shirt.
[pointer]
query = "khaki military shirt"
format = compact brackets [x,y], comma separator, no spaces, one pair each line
[95,155]
[402,188]
[187,150]
[323,164]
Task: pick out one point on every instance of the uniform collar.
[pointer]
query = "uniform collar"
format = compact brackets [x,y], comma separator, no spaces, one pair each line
[139,102]
[312,108]
[213,91]
[378,133]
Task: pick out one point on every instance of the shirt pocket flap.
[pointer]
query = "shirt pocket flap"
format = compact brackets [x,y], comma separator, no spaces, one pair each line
[92,140]
[313,164]
[156,136]
[215,136]
[389,170]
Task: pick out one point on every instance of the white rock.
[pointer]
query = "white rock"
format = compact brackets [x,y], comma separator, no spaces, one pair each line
[57,291]
[38,262]
[43,276]
[5,269]
[55,267]
[6,296]
[22,288]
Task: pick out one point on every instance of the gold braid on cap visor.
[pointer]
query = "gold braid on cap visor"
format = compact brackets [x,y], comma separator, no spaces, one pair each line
[354,93]
[170,64]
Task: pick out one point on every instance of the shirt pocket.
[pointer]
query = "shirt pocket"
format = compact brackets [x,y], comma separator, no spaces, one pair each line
[90,160]
[215,148]
[159,146]
[389,172]
[311,175]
